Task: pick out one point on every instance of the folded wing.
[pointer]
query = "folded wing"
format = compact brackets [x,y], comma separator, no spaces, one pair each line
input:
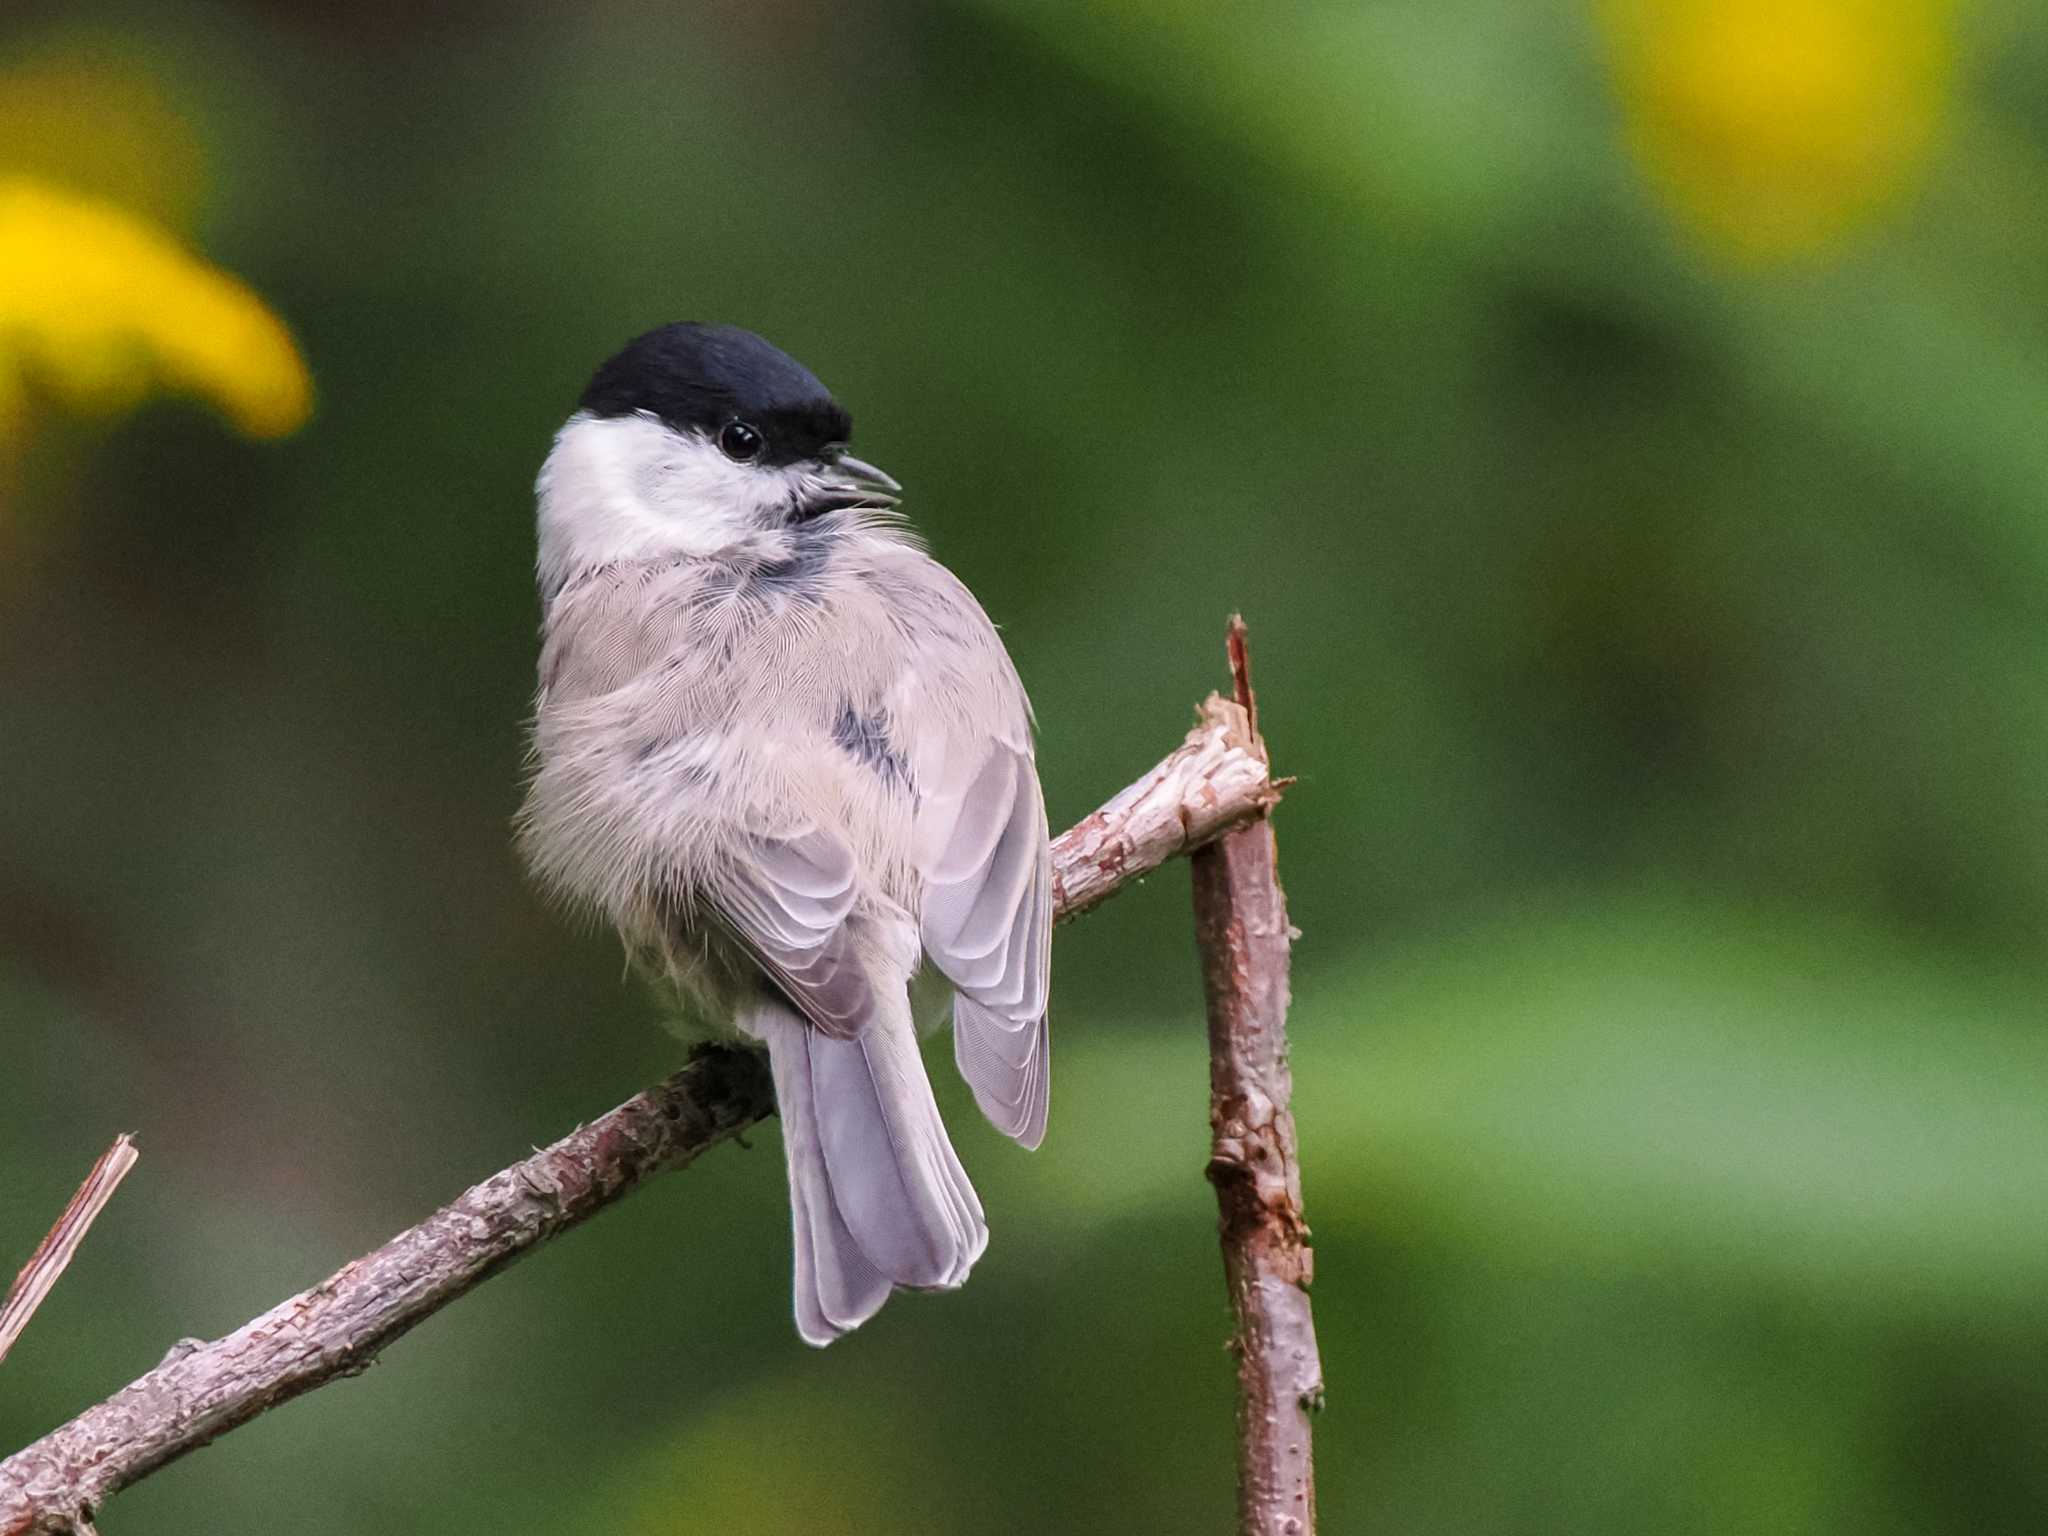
[987,925]
[788,899]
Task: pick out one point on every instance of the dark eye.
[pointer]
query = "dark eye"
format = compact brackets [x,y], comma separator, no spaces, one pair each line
[741,441]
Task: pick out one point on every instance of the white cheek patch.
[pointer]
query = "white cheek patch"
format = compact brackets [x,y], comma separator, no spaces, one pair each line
[630,488]
[687,482]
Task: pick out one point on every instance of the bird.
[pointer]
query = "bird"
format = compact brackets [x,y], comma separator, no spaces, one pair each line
[784,752]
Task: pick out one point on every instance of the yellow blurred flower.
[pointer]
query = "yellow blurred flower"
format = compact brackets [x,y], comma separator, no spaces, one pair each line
[101,307]
[1775,126]
[87,114]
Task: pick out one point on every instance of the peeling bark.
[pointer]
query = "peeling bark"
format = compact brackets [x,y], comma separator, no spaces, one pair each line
[1214,781]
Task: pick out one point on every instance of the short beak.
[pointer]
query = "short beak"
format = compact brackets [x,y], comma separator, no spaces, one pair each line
[865,477]
[849,482]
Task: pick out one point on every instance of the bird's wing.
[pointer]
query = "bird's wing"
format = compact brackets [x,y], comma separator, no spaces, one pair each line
[987,921]
[789,900]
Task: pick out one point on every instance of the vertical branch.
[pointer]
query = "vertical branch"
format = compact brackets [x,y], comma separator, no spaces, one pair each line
[40,1273]
[1242,928]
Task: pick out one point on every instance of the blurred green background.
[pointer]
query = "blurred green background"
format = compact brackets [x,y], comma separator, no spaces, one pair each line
[1625,426]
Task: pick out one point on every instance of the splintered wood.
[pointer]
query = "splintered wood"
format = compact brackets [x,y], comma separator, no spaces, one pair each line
[39,1275]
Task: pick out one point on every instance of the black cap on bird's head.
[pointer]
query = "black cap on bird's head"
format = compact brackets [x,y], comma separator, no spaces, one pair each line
[725,384]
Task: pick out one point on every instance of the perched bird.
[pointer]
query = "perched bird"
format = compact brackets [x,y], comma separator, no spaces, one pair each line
[782,749]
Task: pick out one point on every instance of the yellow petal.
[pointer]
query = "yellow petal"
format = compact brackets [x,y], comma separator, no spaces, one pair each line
[102,308]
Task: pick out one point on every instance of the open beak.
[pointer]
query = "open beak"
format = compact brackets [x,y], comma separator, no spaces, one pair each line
[849,482]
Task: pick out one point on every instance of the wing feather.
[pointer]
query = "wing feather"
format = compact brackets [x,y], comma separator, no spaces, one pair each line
[987,925]
[790,902]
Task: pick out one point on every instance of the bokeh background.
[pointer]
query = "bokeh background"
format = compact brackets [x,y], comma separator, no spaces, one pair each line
[1625,425]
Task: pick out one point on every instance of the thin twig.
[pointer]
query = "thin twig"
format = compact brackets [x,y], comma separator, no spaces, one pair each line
[1241,925]
[40,1273]
[335,1329]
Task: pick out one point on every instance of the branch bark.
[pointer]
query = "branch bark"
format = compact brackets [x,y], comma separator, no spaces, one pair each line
[1242,928]
[202,1390]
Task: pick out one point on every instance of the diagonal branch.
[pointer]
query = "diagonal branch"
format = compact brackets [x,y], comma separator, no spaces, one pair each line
[1241,925]
[203,1390]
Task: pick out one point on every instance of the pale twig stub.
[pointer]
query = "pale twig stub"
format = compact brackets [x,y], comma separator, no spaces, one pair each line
[39,1275]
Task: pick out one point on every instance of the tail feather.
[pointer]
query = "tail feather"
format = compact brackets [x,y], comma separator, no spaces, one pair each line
[898,1182]
[837,1289]
[877,1195]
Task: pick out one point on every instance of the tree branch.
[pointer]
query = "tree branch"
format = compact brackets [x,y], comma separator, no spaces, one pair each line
[202,1390]
[1241,925]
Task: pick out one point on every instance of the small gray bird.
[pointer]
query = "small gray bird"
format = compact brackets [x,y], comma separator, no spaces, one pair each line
[782,749]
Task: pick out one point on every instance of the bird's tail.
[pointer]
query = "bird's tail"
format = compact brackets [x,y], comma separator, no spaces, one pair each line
[877,1197]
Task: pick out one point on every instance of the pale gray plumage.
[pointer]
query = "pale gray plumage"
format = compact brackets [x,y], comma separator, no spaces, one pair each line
[783,751]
